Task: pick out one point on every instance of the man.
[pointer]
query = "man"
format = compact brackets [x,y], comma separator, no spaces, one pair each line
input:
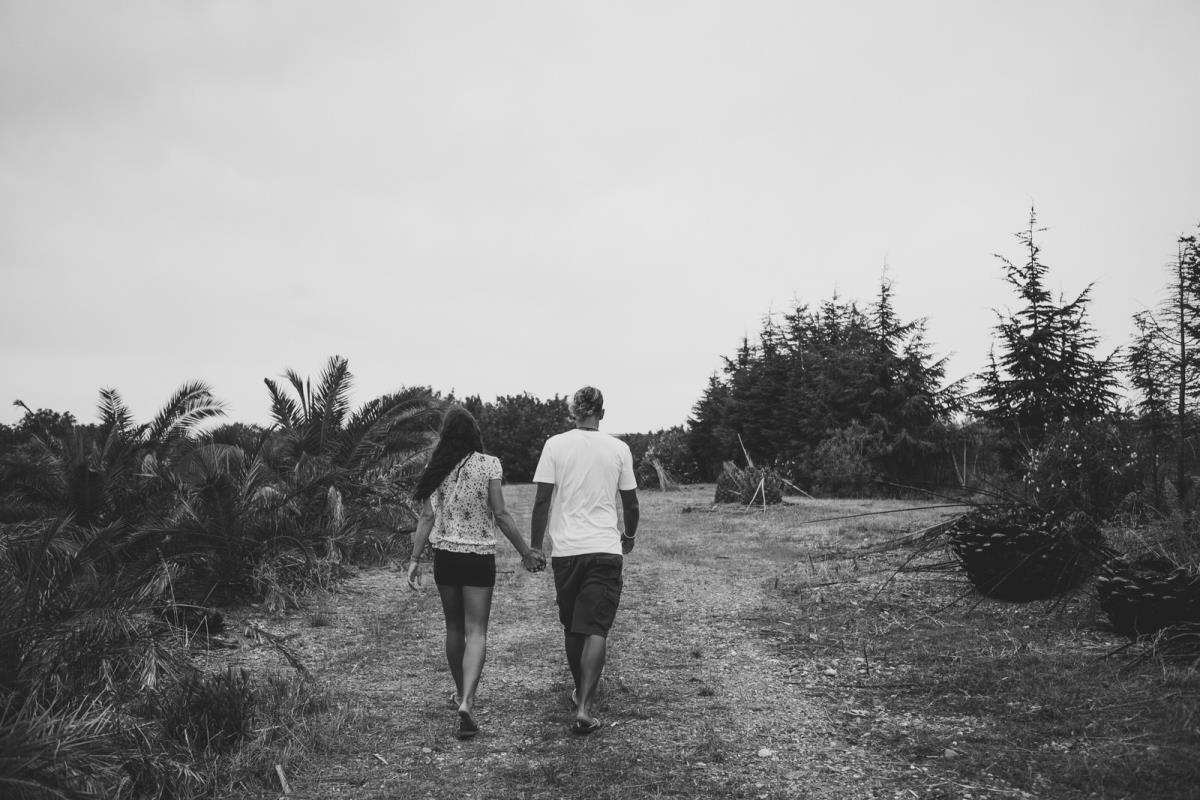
[578,476]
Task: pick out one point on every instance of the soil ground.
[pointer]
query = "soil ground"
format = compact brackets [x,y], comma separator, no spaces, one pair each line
[744,663]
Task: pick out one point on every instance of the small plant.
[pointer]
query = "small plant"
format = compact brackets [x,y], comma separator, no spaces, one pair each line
[194,620]
[324,613]
[210,713]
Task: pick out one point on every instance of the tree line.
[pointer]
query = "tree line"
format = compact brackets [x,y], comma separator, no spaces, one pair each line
[844,399]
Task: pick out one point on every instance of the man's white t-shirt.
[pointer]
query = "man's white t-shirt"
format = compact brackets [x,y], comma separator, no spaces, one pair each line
[587,468]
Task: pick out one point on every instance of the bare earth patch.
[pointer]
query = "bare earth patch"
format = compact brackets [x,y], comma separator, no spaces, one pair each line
[749,659]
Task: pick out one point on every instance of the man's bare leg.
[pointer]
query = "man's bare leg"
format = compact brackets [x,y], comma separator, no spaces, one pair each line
[574,646]
[591,664]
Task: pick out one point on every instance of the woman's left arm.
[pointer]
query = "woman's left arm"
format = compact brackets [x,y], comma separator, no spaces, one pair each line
[532,558]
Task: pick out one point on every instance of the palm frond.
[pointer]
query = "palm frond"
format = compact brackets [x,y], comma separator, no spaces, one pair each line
[100,650]
[114,414]
[332,401]
[303,391]
[58,751]
[191,404]
[35,476]
[390,425]
[284,410]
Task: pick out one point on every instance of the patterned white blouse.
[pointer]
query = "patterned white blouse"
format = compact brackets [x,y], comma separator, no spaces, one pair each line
[464,521]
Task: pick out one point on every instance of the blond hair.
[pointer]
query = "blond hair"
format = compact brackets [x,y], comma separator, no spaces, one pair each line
[587,402]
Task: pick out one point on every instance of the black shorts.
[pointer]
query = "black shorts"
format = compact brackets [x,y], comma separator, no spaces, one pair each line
[463,569]
[589,591]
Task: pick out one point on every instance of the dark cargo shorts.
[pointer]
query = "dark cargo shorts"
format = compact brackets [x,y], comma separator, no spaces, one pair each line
[589,590]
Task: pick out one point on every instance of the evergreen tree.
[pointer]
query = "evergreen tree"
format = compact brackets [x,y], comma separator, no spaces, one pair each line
[818,383]
[1046,372]
[1163,366]
[1148,366]
[709,439]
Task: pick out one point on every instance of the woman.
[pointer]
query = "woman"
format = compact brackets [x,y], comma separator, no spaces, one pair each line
[461,506]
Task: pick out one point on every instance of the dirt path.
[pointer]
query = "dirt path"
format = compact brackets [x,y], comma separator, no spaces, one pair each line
[698,699]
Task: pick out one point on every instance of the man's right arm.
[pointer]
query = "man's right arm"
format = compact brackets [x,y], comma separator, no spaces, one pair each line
[540,518]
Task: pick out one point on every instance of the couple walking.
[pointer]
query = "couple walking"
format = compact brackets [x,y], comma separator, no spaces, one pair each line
[578,477]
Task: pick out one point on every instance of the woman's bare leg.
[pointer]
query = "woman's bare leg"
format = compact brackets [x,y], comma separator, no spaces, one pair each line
[477,607]
[453,608]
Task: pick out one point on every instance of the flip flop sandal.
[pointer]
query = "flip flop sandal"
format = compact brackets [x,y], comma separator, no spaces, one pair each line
[581,728]
[466,726]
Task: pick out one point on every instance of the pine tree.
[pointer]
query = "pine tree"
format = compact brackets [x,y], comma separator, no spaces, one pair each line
[709,439]
[1163,365]
[1148,365]
[1046,372]
[832,385]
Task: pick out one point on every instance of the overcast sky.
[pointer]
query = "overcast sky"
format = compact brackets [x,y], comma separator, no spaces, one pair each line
[497,197]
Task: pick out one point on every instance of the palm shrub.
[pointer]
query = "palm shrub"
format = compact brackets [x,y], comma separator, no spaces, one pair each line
[340,467]
[71,623]
[230,513]
[319,424]
[60,750]
[77,651]
[94,473]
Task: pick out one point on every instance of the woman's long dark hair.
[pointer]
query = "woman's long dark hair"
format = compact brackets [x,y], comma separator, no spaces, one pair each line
[459,438]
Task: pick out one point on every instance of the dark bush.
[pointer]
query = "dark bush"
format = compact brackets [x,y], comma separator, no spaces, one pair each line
[1090,468]
[1147,594]
[841,465]
[668,449]
[1016,552]
[515,427]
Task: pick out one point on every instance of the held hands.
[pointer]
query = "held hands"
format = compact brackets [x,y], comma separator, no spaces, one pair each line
[534,560]
[627,543]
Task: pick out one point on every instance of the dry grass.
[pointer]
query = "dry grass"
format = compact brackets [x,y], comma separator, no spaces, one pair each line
[756,655]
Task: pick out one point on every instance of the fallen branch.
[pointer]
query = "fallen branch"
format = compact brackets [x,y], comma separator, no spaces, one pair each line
[278,642]
[283,781]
